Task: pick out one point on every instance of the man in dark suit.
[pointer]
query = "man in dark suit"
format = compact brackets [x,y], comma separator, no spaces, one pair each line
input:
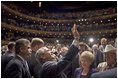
[53,69]
[103,42]
[17,67]
[98,55]
[7,57]
[36,43]
[111,73]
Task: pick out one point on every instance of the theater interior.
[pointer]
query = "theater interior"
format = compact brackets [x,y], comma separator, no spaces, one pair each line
[59,39]
[52,20]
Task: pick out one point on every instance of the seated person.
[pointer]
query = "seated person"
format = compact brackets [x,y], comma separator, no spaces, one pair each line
[86,60]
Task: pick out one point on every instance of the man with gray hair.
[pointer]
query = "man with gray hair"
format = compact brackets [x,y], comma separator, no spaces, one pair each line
[108,69]
[18,67]
[98,55]
[54,69]
[103,42]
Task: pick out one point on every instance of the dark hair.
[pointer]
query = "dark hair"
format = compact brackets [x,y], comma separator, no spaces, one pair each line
[20,43]
[87,48]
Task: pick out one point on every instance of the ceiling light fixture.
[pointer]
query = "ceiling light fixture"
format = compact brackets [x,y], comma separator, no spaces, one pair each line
[39,4]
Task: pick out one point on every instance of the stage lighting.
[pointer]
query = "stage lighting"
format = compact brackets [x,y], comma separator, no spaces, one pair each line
[57,41]
[91,40]
[39,4]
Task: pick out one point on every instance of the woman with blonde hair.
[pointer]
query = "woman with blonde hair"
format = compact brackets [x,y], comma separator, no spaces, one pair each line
[86,60]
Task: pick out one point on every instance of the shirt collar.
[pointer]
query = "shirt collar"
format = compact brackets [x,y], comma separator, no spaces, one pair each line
[21,57]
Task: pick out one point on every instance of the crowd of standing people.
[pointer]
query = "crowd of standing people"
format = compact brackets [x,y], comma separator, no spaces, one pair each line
[25,59]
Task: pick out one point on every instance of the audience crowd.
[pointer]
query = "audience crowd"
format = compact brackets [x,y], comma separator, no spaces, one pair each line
[35,59]
[63,16]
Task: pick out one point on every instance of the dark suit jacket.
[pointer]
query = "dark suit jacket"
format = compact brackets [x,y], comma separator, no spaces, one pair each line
[98,58]
[34,65]
[16,69]
[36,70]
[4,61]
[52,69]
[69,71]
[111,73]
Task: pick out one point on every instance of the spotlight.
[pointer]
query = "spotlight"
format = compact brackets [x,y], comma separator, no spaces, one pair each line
[91,40]
[57,41]
[39,4]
